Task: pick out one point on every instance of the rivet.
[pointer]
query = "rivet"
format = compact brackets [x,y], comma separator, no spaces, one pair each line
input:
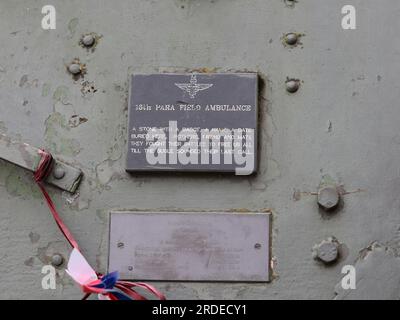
[58,173]
[130,268]
[291,39]
[257,246]
[57,260]
[74,68]
[292,85]
[328,197]
[88,40]
[120,245]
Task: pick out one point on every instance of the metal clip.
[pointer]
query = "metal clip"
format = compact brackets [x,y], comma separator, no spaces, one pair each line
[25,156]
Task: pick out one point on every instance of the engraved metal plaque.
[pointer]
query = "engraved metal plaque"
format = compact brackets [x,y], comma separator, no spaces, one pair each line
[193,122]
[176,246]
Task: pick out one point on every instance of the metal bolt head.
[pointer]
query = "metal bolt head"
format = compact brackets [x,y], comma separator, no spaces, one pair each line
[57,260]
[257,246]
[120,245]
[291,39]
[328,197]
[74,68]
[130,268]
[58,173]
[327,252]
[88,40]
[292,85]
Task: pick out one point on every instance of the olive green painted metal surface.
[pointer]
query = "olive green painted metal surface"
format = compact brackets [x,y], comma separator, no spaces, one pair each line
[342,122]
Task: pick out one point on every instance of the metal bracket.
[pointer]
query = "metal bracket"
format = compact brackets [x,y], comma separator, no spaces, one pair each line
[25,156]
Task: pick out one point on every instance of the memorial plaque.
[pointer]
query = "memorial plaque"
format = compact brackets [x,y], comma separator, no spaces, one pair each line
[193,123]
[176,246]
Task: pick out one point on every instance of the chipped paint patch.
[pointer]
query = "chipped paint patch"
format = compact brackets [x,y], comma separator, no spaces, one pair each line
[46,89]
[34,237]
[23,80]
[56,139]
[76,121]
[377,275]
[105,172]
[61,94]
[73,23]
[29,262]
[25,83]
[88,89]
[70,198]
[20,184]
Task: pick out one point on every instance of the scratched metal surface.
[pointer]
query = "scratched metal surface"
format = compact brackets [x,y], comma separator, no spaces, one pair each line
[188,246]
[342,122]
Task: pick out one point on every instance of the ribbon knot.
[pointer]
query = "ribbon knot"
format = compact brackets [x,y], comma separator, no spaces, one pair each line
[108,287]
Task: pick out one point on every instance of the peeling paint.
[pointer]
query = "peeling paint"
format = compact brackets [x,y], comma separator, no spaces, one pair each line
[55,137]
[76,121]
[46,88]
[88,89]
[377,275]
[34,237]
[72,25]
[29,262]
[25,83]
[20,184]
[23,80]
[62,94]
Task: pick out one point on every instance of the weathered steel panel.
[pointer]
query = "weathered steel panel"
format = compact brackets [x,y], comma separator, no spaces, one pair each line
[342,122]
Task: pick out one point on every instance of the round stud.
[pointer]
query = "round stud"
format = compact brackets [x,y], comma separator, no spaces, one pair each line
[57,260]
[88,40]
[58,173]
[74,68]
[291,39]
[292,85]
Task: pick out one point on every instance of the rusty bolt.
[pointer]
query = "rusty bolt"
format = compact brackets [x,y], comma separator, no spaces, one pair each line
[57,260]
[327,251]
[328,197]
[88,40]
[291,39]
[74,68]
[292,85]
[58,173]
